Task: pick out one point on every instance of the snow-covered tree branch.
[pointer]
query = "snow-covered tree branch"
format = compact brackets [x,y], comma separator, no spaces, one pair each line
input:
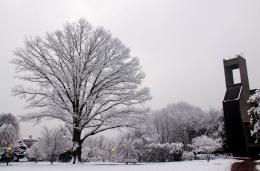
[254,112]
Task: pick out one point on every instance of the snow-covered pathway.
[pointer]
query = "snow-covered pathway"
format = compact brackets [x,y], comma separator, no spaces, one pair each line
[214,165]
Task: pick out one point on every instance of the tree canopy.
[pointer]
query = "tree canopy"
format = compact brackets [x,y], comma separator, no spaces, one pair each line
[82,76]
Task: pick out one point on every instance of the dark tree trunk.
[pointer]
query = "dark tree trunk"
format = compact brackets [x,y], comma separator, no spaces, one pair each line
[77,145]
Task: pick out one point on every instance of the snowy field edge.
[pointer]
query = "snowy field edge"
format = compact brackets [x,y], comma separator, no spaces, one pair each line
[198,165]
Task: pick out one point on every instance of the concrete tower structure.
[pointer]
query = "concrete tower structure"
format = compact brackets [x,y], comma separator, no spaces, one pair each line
[235,107]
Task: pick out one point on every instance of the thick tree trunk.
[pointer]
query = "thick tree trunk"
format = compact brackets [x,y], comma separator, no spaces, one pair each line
[77,145]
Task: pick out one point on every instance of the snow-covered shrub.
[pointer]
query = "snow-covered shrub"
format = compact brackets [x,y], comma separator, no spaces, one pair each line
[205,144]
[201,156]
[176,151]
[187,155]
[254,112]
[163,152]
[160,150]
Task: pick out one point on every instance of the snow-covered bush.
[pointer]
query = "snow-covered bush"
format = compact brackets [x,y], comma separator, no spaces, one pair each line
[205,144]
[202,157]
[176,151]
[163,152]
[187,155]
[254,112]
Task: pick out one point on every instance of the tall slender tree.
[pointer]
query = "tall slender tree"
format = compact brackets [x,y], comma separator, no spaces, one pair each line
[82,76]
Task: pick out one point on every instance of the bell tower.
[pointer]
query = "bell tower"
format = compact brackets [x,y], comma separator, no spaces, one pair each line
[235,107]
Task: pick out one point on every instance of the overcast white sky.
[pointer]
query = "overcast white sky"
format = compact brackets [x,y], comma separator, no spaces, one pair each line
[180,43]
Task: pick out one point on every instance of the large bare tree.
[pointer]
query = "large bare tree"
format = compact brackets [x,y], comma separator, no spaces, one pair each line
[82,76]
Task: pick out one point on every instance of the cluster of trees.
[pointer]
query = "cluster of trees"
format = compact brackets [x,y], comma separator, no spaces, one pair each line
[144,142]
[127,146]
[163,136]
[49,146]
[11,146]
[197,130]
[181,122]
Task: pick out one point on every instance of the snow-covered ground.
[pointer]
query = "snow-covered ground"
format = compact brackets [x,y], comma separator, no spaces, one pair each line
[202,165]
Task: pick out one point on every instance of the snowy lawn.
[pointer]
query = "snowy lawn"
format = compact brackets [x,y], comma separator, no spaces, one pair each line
[201,165]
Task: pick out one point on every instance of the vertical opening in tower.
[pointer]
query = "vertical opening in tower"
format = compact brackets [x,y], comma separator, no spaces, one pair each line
[236,76]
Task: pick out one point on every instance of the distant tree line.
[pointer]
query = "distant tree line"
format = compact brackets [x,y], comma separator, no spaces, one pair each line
[164,135]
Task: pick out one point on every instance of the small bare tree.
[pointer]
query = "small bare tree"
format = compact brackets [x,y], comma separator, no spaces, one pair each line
[52,143]
[82,76]
[34,152]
